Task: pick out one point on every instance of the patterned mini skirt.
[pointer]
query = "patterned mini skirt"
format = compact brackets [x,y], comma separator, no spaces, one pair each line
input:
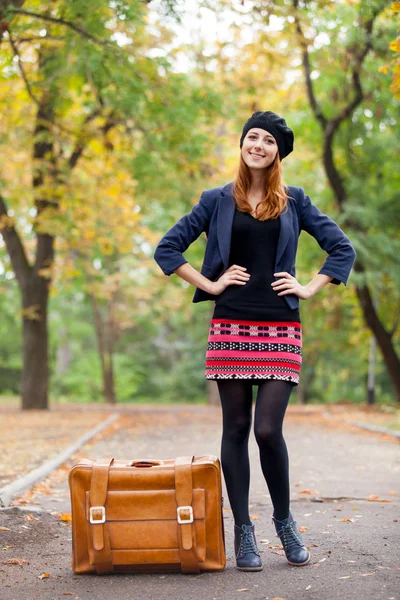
[254,350]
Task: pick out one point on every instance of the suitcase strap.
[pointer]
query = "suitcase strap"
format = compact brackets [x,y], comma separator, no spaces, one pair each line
[98,524]
[184,496]
[186,530]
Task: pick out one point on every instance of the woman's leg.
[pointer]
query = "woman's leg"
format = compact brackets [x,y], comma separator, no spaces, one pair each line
[271,403]
[236,400]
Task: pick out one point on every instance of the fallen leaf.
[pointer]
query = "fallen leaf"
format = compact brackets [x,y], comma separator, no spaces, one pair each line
[375,498]
[309,587]
[254,517]
[303,528]
[346,519]
[66,517]
[322,560]
[367,574]
[31,517]
[243,590]
[345,577]
[43,575]
[391,493]
[307,492]
[16,561]
[4,529]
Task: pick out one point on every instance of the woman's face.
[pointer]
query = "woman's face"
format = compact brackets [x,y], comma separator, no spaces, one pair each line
[259,148]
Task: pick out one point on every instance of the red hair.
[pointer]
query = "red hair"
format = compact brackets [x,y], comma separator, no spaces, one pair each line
[275,197]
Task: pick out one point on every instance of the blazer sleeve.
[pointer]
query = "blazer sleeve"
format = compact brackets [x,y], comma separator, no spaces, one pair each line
[168,254]
[331,238]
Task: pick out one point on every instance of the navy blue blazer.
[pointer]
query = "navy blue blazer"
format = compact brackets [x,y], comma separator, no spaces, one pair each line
[214,214]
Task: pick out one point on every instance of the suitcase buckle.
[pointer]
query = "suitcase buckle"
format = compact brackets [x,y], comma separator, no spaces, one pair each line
[190,509]
[102,519]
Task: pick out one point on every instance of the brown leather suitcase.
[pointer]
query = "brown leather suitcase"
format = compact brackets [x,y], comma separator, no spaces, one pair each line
[147,515]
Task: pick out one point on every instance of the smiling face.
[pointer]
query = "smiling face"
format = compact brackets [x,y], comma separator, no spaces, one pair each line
[259,149]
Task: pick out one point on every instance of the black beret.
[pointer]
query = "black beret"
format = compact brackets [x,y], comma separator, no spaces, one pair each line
[276,126]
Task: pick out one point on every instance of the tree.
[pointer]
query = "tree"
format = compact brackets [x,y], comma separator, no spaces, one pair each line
[79,74]
[337,109]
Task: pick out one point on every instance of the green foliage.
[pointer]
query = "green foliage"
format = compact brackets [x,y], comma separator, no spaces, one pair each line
[153,138]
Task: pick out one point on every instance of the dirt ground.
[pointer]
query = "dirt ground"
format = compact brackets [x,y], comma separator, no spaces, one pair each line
[344,495]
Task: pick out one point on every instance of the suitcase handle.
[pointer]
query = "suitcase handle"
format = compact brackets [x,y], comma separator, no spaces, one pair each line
[145,463]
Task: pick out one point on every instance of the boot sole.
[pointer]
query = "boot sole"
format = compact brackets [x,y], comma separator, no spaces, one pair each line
[300,564]
[250,568]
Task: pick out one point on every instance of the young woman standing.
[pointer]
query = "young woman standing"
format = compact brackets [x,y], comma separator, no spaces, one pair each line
[255,334]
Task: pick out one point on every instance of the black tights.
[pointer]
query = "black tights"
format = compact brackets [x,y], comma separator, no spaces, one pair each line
[271,403]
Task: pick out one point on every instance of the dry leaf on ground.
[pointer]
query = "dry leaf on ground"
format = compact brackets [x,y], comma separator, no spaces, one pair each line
[16,561]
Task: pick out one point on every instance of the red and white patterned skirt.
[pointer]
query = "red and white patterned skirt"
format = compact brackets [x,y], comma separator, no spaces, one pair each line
[254,350]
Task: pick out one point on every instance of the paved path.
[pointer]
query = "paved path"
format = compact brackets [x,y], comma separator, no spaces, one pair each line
[332,472]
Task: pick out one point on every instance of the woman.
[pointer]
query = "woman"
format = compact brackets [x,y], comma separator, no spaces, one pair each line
[255,335]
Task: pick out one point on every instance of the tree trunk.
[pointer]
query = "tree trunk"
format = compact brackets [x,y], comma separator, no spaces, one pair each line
[108,380]
[300,393]
[213,393]
[106,355]
[383,337]
[35,372]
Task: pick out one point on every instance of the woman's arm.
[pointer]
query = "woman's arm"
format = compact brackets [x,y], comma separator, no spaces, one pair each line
[168,254]
[331,238]
[189,274]
[287,284]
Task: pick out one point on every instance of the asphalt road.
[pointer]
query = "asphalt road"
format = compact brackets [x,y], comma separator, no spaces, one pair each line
[344,489]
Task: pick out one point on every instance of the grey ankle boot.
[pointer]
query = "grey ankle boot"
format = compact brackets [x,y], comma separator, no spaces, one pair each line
[292,542]
[246,551]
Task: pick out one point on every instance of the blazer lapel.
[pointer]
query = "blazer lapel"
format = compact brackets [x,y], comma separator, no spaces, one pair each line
[226,212]
[284,235]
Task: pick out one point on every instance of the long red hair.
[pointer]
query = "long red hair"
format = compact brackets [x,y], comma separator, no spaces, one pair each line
[275,198]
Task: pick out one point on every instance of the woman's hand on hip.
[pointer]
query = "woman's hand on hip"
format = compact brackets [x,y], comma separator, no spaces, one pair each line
[235,275]
[287,284]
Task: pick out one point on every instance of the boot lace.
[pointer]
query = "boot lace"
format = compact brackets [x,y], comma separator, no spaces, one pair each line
[247,543]
[289,536]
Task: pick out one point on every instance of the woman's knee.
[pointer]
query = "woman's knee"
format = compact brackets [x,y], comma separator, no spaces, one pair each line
[237,431]
[267,434]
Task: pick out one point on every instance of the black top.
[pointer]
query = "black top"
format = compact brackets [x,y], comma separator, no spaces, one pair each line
[253,245]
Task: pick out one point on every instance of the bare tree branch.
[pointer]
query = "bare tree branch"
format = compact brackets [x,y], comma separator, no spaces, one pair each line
[60,21]
[14,245]
[307,69]
[330,126]
[80,143]
[22,70]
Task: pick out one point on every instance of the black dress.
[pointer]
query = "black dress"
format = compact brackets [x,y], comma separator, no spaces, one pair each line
[254,334]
